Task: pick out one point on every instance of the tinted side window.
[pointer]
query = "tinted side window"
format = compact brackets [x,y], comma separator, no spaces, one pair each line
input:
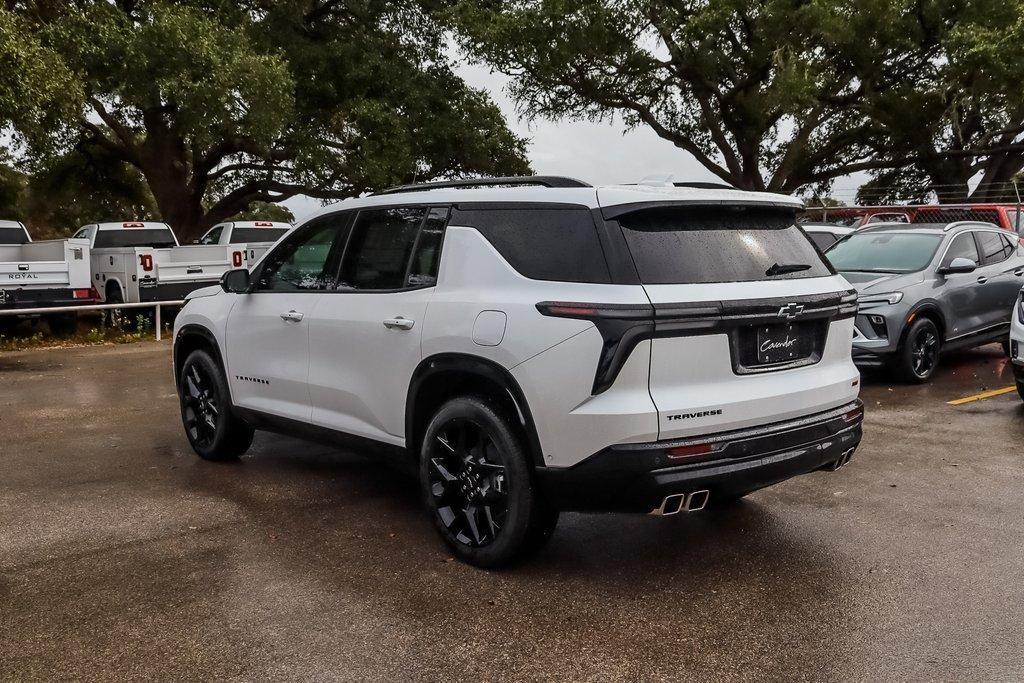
[380,248]
[302,262]
[558,244]
[427,256]
[158,238]
[962,246]
[824,240]
[993,248]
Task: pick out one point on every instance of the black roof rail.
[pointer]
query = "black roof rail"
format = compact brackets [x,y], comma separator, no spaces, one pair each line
[542,180]
[705,186]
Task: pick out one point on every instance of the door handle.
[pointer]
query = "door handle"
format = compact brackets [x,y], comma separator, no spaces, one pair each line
[982,280]
[399,323]
[291,317]
[1019,272]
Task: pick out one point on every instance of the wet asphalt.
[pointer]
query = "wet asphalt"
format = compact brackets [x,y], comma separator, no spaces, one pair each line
[122,555]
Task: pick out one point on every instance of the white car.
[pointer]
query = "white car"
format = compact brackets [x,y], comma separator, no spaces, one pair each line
[256,237]
[537,346]
[1015,349]
[140,261]
[47,274]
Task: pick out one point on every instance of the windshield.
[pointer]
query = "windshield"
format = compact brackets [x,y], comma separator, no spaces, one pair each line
[884,252]
[13,236]
[719,244]
[244,235]
[158,238]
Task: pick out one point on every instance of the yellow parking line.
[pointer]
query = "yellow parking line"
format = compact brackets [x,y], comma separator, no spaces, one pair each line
[982,395]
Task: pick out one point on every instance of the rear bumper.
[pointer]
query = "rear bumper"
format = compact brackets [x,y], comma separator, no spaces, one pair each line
[638,477]
[41,298]
[174,291]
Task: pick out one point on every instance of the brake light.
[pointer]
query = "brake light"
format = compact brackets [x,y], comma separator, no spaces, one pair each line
[693,451]
[89,294]
[133,225]
[146,261]
[236,259]
[264,224]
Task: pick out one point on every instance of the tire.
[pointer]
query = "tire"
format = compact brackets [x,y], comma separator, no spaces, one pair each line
[212,429]
[115,317]
[479,487]
[64,324]
[918,356]
[1006,347]
[1020,390]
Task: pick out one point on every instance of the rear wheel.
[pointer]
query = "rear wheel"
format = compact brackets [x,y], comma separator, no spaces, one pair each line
[918,357]
[115,317]
[478,485]
[213,430]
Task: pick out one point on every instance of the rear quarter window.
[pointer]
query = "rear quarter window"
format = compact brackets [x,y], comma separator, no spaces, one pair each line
[550,243]
[692,245]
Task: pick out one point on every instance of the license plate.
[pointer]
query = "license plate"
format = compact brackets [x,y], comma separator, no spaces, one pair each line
[777,344]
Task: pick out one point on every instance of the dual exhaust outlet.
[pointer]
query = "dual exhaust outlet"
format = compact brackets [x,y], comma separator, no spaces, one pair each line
[841,460]
[698,500]
[683,502]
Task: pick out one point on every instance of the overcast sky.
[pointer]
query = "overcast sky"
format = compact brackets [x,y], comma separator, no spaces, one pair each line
[598,153]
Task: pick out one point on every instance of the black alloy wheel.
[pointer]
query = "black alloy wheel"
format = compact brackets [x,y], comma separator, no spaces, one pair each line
[467,481]
[919,356]
[201,405]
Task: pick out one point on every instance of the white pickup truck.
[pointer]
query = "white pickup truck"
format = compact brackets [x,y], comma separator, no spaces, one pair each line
[141,261]
[256,236]
[42,274]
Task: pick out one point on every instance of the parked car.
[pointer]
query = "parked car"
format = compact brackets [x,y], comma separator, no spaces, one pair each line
[1016,347]
[138,261]
[48,274]
[824,235]
[256,237]
[925,289]
[539,346]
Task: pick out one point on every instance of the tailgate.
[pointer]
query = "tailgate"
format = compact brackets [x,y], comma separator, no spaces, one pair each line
[35,274]
[194,262]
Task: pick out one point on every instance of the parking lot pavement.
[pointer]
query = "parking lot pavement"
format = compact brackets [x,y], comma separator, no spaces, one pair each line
[123,555]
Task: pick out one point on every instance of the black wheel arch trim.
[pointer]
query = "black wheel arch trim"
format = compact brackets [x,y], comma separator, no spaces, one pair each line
[929,307]
[485,369]
[194,330]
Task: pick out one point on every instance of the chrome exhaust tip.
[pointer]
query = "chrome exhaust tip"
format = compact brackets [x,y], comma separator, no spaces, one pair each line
[682,502]
[697,500]
[842,460]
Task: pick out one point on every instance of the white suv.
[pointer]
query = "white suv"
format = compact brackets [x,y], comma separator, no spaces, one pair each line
[532,345]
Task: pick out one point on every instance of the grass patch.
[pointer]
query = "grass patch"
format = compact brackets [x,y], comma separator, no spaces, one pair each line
[94,331]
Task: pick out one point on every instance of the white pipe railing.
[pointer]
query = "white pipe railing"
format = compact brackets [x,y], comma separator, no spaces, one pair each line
[97,307]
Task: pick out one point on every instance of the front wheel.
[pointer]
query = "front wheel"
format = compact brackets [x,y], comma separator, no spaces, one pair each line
[478,485]
[919,356]
[213,431]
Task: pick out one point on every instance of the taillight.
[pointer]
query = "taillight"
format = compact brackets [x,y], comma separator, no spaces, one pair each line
[89,293]
[133,225]
[236,259]
[146,261]
[264,224]
[622,327]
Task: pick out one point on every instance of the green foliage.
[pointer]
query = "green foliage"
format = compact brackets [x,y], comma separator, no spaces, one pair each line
[784,95]
[217,105]
[264,211]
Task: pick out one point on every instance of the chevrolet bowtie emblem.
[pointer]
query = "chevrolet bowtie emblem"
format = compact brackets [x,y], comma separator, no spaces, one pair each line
[791,310]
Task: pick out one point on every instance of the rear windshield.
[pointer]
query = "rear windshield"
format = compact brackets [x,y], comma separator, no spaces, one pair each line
[243,235]
[884,252]
[13,236]
[719,244]
[135,237]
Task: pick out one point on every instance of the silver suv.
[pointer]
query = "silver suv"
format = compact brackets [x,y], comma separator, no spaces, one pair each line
[928,288]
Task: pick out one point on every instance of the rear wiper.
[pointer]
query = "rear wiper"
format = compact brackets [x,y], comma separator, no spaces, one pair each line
[783,268]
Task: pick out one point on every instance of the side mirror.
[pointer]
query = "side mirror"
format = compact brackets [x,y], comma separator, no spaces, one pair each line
[959,265]
[236,281]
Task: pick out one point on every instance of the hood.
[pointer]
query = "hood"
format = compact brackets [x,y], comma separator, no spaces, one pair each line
[879,283]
